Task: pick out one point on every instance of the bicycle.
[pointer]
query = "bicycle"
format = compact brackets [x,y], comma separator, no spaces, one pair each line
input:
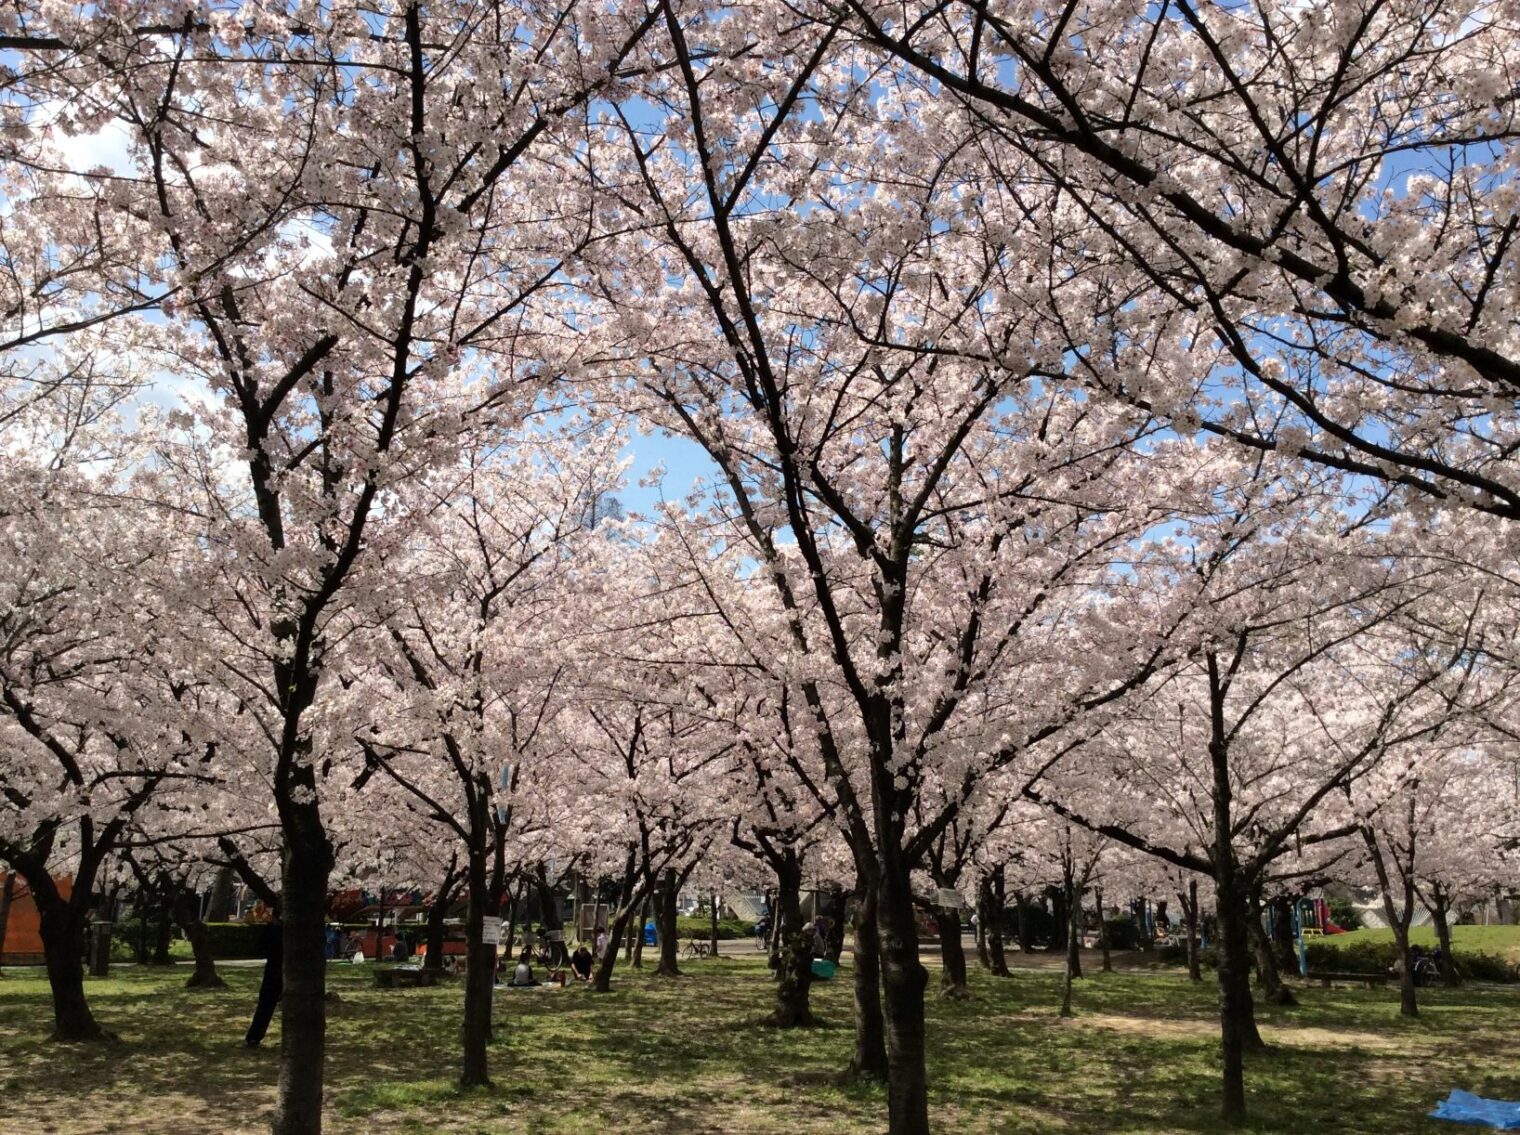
[696,948]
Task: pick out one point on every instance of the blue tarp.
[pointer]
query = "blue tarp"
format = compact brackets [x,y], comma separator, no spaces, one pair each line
[1464,1107]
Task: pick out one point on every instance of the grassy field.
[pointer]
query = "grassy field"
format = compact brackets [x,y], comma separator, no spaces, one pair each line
[1503,941]
[688,1056]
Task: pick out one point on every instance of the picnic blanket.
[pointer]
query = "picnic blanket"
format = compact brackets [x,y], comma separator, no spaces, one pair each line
[1464,1107]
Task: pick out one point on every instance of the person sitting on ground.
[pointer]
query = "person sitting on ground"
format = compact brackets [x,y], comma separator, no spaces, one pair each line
[522,976]
[400,951]
[580,963]
[820,936]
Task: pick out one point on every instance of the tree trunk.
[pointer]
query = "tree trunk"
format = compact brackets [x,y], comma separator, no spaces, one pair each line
[1408,1003]
[1073,906]
[1237,1012]
[1108,962]
[307,864]
[481,960]
[163,937]
[1190,913]
[187,914]
[952,979]
[622,919]
[1440,913]
[1060,914]
[714,912]
[870,1059]
[548,910]
[983,901]
[219,906]
[834,939]
[436,935]
[1025,944]
[1398,917]
[1268,978]
[794,969]
[774,948]
[638,938]
[990,922]
[5,909]
[62,928]
[1284,945]
[1073,970]
[903,980]
[665,927]
[437,916]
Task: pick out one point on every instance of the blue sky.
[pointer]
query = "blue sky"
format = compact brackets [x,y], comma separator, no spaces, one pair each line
[684,460]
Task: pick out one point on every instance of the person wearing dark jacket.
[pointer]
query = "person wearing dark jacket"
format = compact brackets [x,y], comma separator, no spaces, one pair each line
[273,985]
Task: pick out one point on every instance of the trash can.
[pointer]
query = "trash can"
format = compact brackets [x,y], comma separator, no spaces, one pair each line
[649,934]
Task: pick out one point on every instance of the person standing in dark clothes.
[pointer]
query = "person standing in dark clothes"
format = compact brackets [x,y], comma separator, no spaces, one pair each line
[272,986]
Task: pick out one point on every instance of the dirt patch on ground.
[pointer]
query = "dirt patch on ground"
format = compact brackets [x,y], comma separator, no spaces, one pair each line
[1291,1036]
[1336,1038]
[1147,1026]
[143,1116]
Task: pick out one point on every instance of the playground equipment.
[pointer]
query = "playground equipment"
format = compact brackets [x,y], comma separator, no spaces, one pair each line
[1311,919]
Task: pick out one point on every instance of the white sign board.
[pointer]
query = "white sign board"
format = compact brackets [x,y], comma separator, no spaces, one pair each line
[490,931]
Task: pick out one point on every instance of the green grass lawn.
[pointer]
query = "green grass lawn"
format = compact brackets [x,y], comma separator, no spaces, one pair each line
[1503,941]
[659,1056]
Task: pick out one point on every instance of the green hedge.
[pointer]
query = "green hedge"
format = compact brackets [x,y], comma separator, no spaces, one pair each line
[1379,957]
[124,939]
[1042,926]
[700,926]
[1344,915]
[228,940]
[1120,932]
[236,939]
[1177,956]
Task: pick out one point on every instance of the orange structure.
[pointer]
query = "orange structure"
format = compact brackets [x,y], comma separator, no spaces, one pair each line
[20,928]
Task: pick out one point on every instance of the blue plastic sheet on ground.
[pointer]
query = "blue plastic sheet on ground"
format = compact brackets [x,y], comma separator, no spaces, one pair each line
[1464,1107]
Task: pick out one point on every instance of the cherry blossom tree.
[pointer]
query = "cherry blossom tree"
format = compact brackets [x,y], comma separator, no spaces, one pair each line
[98,720]
[1313,199]
[913,513]
[347,300]
[1309,666]
[471,652]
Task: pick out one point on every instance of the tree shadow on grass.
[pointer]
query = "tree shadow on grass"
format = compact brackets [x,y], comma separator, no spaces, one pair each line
[1141,1055]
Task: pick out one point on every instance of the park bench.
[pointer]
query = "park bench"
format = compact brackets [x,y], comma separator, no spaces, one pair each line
[1329,977]
[410,975]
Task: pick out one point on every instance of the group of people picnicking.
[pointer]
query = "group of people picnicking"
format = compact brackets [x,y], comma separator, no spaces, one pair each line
[562,966]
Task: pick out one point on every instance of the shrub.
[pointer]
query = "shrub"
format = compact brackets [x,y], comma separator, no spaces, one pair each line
[1042,926]
[1120,931]
[1358,957]
[126,940]
[1208,957]
[700,926]
[1379,957]
[236,939]
[1344,915]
